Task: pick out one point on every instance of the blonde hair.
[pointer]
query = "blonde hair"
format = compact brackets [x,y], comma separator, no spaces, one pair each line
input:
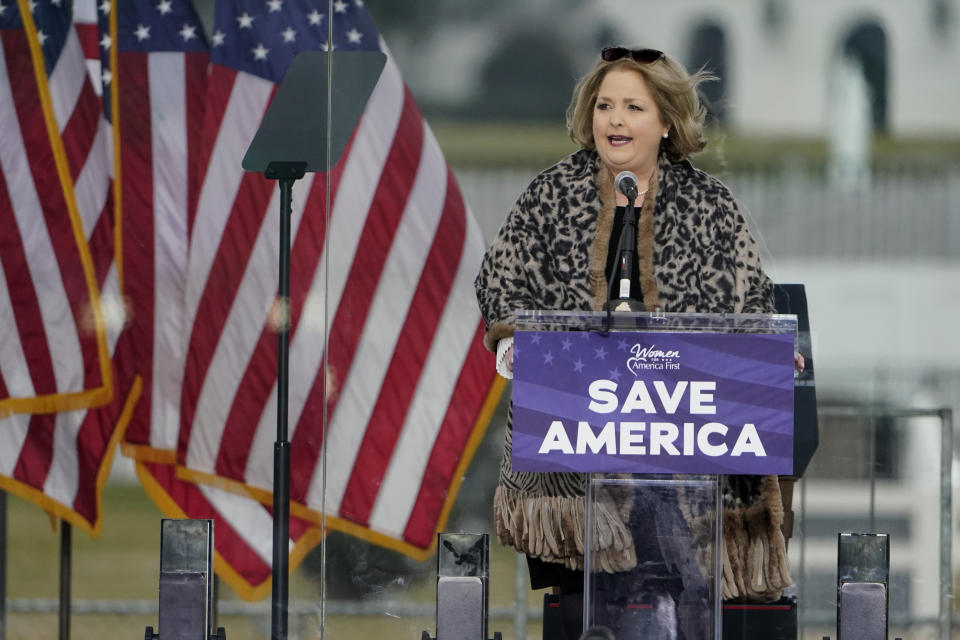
[673,89]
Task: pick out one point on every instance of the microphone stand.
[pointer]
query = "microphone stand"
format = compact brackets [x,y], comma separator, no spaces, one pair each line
[626,252]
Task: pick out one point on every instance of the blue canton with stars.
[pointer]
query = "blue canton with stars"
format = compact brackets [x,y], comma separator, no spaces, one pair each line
[262,37]
[159,25]
[52,19]
[146,26]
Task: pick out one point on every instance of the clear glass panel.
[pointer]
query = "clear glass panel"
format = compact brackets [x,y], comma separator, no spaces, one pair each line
[877,471]
[406,378]
[673,591]
[534,320]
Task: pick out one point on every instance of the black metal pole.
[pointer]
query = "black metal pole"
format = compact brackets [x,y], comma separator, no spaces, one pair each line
[215,613]
[287,173]
[281,533]
[3,565]
[66,557]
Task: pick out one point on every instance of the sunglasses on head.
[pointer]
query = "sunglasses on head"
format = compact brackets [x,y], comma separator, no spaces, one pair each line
[643,56]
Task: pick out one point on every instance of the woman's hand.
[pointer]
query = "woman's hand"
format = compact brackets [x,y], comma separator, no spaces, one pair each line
[505,358]
[798,362]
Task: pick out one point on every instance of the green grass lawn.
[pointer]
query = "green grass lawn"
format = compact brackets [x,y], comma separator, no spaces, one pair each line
[117,564]
[123,564]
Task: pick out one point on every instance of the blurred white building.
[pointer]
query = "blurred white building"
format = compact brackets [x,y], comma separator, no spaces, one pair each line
[775,58]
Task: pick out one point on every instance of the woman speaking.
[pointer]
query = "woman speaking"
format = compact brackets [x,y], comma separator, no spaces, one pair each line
[637,110]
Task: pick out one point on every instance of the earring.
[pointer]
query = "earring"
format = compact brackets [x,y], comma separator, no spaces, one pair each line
[665,135]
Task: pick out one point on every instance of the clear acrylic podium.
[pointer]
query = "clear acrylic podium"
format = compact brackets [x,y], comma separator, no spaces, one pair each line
[673,516]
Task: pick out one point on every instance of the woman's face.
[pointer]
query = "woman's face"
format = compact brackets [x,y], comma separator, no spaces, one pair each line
[627,128]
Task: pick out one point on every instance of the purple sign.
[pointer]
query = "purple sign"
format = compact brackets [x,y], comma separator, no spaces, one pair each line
[649,402]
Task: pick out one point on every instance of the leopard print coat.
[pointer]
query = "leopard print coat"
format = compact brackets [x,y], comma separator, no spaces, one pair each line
[696,254]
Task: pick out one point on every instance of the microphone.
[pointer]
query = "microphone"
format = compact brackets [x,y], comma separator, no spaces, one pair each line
[626,183]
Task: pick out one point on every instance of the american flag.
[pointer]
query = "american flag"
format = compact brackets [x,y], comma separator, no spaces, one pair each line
[60,295]
[55,355]
[156,89]
[387,272]
[154,81]
[384,282]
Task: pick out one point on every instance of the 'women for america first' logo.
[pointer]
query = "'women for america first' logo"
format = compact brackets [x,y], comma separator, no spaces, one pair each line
[649,357]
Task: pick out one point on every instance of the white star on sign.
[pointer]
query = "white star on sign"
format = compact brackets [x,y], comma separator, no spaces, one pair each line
[260,52]
[106,77]
[42,37]
[340,6]
[354,36]
[142,33]
[33,6]
[105,7]
[105,41]
[274,5]
[314,17]
[245,21]
[189,32]
[3,8]
[218,38]
[165,7]
[289,35]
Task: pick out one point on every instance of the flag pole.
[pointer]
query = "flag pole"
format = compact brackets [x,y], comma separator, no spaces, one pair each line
[66,559]
[286,173]
[3,565]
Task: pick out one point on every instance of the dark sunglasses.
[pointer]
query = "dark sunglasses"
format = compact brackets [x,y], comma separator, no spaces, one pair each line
[643,56]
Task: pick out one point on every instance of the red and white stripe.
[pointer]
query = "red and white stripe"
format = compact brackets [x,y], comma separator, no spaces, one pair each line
[51,349]
[160,120]
[50,346]
[161,110]
[85,22]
